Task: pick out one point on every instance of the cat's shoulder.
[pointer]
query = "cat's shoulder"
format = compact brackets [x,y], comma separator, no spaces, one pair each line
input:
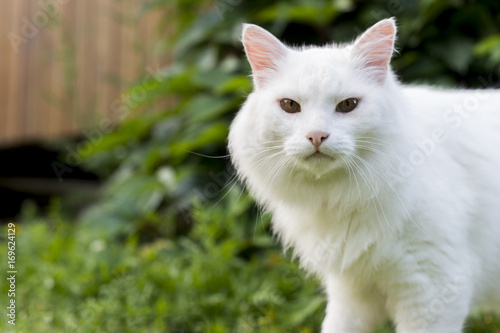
[441,97]
[430,90]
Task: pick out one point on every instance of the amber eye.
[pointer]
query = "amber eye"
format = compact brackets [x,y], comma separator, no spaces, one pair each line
[347,105]
[289,105]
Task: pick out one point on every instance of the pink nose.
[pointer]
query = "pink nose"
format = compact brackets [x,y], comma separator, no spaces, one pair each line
[317,137]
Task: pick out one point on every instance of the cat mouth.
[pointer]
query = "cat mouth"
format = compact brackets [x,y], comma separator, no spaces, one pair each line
[319,155]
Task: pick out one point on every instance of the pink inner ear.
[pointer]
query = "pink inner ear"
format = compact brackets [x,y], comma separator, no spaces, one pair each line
[259,57]
[374,48]
[380,51]
[264,52]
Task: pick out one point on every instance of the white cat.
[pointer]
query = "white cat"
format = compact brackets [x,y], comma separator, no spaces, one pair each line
[389,193]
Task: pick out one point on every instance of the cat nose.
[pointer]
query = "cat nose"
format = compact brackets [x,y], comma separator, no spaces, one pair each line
[317,137]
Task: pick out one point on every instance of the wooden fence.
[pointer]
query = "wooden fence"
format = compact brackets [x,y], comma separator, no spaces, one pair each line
[64,63]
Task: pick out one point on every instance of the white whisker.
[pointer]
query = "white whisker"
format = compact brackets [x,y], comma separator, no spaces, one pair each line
[394,190]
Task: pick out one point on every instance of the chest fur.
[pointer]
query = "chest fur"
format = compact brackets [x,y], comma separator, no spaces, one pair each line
[333,240]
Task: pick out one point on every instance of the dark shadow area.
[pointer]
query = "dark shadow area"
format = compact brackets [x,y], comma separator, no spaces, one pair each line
[27,173]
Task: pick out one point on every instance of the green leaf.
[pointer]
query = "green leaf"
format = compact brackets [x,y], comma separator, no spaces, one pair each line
[489,46]
[239,84]
[203,108]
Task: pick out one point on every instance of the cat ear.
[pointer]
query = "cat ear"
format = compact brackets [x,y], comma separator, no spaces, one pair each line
[264,52]
[373,49]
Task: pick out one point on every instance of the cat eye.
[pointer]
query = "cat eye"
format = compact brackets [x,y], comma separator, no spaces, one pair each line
[289,105]
[347,105]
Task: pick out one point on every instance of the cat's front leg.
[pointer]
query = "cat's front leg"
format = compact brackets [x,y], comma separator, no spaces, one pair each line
[351,308]
[450,322]
[432,308]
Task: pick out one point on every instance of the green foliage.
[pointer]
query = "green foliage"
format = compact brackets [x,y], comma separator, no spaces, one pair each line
[225,275]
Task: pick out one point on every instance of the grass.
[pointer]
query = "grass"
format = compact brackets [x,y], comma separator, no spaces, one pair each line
[226,275]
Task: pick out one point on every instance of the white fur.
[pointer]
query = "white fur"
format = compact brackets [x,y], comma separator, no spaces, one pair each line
[403,221]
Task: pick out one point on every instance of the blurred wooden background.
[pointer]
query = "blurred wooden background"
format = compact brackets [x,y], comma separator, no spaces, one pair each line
[65,63]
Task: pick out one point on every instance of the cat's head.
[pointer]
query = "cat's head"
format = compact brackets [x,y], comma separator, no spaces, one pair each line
[313,108]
